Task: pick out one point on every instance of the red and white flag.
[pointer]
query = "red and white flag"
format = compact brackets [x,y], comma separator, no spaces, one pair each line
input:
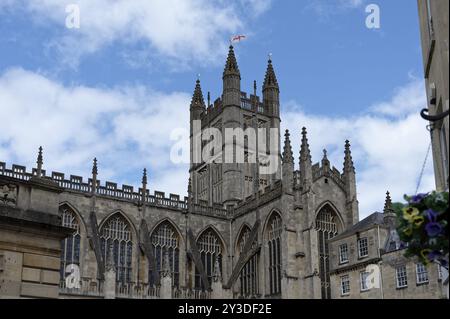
[238,38]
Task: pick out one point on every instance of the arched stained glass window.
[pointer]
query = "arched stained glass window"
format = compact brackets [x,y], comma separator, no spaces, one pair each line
[70,247]
[166,238]
[249,274]
[327,228]
[274,244]
[117,231]
[210,248]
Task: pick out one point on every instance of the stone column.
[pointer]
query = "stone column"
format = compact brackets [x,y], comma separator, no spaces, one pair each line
[109,288]
[217,284]
[166,278]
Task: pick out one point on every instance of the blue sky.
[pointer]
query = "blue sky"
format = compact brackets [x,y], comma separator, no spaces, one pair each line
[118,86]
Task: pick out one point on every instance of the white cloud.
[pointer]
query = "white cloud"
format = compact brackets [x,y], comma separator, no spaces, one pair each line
[129,128]
[388,150]
[183,31]
[126,128]
[256,7]
[407,99]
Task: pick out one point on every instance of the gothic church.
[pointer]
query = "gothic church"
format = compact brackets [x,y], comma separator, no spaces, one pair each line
[237,234]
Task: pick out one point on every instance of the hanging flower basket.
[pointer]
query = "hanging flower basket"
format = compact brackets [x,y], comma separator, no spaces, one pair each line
[422,224]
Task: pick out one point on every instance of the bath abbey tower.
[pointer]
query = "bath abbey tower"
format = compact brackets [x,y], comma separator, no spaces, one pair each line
[243,231]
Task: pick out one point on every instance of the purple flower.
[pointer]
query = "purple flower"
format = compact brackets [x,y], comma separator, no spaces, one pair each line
[433,229]
[432,215]
[434,255]
[416,199]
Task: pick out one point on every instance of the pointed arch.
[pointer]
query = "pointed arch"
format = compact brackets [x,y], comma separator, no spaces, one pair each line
[117,230]
[172,223]
[71,245]
[273,231]
[273,214]
[245,227]
[133,228]
[165,237]
[248,277]
[332,208]
[211,247]
[80,217]
[328,224]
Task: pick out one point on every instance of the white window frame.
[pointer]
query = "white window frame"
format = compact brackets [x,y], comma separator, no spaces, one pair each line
[363,285]
[439,269]
[422,274]
[343,252]
[366,241]
[345,285]
[401,277]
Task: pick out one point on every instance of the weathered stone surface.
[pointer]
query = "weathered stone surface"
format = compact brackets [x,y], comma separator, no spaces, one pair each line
[40,261]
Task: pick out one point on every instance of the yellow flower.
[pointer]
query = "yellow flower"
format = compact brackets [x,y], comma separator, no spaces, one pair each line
[424,253]
[408,231]
[409,214]
[418,221]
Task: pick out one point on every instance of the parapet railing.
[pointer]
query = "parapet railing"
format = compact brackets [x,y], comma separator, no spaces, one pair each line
[136,291]
[185,293]
[76,183]
[318,172]
[88,288]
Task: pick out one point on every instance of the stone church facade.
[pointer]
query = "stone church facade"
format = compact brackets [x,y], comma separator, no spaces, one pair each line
[237,234]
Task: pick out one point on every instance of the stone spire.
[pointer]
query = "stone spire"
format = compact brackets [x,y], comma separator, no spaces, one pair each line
[231,66]
[144,179]
[388,204]
[348,161]
[305,153]
[39,163]
[94,176]
[325,160]
[197,99]
[270,80]
[144,185]
[305,160]
[288,157]
[190,187]
[388,211]
[349,178]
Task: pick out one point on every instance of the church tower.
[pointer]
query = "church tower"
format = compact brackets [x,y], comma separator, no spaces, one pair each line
[233,179]
[231,119]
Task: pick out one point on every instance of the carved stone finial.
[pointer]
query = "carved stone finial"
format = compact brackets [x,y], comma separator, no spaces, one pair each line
[325,161]
[197,98]
[94,168]
[388,204]
[144,179]
[288,157]
[348,160]
[270,80]
[305,152]
[39,162]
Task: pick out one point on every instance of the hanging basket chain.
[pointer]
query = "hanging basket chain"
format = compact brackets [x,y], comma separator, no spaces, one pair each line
[419,182]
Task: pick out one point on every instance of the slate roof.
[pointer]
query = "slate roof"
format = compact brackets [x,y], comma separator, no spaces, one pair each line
[367,223]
